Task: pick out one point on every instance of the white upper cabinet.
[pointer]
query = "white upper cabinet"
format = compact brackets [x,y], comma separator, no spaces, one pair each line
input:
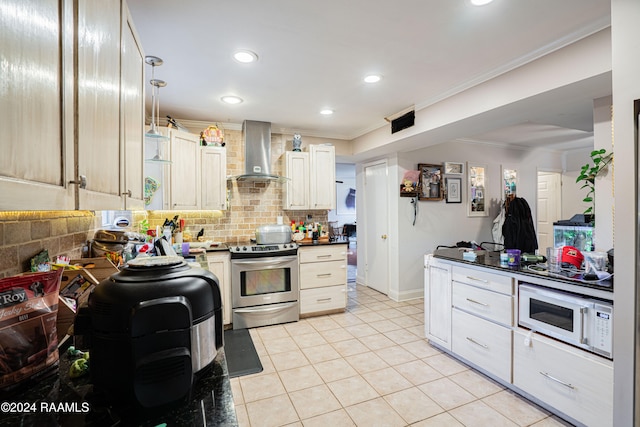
[98,104]
[72,106]
[323,177]
[36,106]
[185,170]
[132,114]
[312,178]
[296,168]
[213,162]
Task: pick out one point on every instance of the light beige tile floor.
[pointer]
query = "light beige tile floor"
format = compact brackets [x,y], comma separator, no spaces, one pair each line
[370,366]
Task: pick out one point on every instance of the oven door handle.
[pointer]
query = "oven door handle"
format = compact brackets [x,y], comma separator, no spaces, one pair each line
[263,261]
[262,308]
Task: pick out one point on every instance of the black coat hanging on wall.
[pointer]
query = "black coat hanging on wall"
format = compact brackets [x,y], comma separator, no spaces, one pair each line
[518,229]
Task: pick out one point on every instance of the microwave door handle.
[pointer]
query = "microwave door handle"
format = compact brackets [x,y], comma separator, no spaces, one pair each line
[583,312]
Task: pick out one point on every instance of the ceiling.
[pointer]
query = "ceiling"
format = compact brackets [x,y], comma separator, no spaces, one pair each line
[314,55]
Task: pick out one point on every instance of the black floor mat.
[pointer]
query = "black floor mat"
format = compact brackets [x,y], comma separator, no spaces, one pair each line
[240,352]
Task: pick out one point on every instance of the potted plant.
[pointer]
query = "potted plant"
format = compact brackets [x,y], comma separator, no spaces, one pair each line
[600,159]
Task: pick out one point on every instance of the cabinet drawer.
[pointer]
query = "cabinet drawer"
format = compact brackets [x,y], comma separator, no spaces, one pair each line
[574,382]
[322,299]
[483,343]
[321,274]
[322,253]
[483,278]
[488,304]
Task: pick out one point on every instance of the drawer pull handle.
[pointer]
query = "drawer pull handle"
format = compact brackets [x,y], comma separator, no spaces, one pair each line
[477,302]
[323,300]
[324,275]
[552,378]
[323,256]
[477,343]
[477,280]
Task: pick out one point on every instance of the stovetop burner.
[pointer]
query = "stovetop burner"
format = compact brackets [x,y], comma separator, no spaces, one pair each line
[255,250]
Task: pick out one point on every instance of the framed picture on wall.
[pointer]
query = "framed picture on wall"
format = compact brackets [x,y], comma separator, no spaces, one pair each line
[430,182]
[451,168]
[454,190]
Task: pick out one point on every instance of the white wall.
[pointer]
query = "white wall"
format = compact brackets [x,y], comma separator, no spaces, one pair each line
[441,223]
[625,32]
[572,195]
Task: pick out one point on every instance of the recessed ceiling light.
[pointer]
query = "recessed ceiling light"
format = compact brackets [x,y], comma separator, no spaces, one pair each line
[480,2]
[372,78]
[326,112]
[245,56]
[231,99]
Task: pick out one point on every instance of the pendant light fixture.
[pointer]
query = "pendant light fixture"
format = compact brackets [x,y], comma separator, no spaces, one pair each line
[153,132]
[156,84]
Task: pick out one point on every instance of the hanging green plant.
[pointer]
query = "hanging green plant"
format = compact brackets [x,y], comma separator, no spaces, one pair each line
[600,159]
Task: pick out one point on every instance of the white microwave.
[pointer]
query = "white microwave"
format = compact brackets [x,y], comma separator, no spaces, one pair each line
[575,319]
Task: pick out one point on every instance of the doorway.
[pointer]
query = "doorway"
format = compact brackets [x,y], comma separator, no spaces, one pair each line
[549,207]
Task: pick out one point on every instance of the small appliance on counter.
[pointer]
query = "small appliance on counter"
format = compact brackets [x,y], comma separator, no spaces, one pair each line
[150,329]
[273,234]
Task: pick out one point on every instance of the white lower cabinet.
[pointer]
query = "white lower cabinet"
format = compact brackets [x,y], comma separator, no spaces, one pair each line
[220,265]
[323,299]
[437,301]
[483,343]
[570,380]
[472,313]
[323,278]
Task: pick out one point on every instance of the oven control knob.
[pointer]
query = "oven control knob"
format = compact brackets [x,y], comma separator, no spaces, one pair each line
[237,248]
[244,248]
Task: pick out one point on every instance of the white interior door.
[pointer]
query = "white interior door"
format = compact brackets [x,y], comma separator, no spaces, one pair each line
[376,200]
[549,207]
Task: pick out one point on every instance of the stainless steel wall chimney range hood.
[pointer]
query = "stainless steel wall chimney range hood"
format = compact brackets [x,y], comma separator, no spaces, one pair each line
[257,153]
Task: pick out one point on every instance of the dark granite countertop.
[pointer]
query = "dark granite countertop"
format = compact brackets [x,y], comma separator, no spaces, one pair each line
[211,402]
[492,260]
[324,242]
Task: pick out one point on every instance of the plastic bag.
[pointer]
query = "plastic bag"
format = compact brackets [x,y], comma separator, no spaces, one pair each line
[28,336]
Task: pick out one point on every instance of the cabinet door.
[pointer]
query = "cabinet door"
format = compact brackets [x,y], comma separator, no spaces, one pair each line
[98,107]
[185,170]
[36,106]
[132,117]
[323,177]
[296,168]
[437,295]
[214,178]
[220,266]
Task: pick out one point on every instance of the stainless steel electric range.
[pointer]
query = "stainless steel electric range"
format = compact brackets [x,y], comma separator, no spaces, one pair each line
[264,284]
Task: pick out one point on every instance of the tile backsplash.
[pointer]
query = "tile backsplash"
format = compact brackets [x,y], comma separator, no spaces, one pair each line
[24,234]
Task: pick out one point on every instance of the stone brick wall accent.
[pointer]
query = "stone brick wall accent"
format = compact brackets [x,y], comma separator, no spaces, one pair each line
[24,234]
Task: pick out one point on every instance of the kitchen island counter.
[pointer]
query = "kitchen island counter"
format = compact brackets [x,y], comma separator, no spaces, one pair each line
[211,402]
[566,280]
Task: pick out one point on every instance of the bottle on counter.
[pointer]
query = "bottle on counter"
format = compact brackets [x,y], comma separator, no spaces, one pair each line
[186,235]
[293,226]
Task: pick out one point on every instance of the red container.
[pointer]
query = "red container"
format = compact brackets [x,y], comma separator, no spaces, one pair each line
[572,256]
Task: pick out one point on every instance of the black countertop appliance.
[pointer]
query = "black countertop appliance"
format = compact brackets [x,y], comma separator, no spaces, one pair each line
[150,329]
